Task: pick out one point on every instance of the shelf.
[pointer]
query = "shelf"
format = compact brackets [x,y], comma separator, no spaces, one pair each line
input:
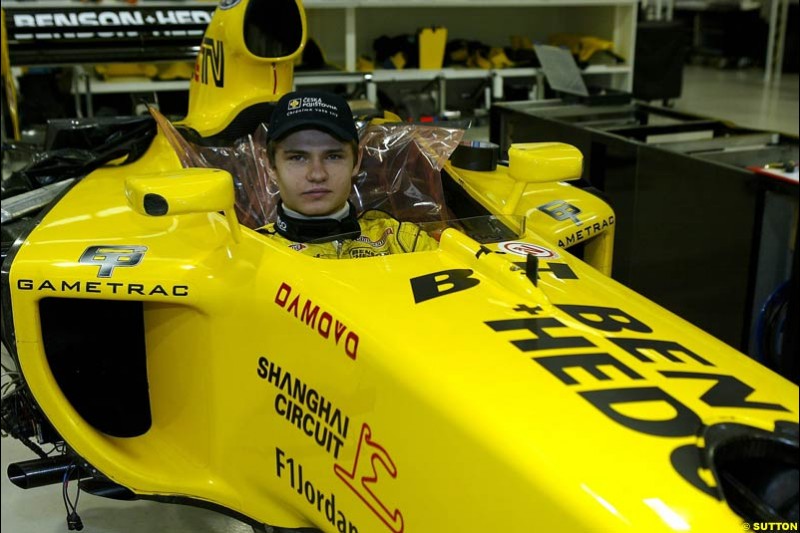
[134,85]
[346,28]
[380,76]
[345,33]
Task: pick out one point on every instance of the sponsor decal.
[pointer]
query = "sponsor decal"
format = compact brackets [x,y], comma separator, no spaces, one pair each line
[371,468]
[102,287]
[355,253]
[526,248]
[611,392]
[298,246]
[588,231]
[110,257]
[315,104]
[305,408]
[444,282]
[380,242]
[561,210]
[292,471]
[318,319]
[108,23]
[212,59]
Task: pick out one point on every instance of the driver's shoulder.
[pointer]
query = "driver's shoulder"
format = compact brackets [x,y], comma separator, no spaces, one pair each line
[376,219]
[407,235]
[376,214]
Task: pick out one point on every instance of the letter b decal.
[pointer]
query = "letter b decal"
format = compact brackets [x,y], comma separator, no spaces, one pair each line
[441,283]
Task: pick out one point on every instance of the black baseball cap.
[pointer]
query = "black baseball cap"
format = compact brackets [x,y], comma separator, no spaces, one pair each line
[319,110]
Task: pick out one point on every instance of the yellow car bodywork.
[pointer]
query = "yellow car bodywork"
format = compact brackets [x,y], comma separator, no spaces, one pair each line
[471,388]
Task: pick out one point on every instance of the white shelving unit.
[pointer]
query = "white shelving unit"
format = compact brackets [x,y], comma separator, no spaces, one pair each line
[346,28]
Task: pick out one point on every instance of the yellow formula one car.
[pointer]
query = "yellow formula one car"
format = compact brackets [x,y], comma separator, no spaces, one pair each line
[500,383]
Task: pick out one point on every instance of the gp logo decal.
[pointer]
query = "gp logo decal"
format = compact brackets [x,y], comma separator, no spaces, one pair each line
[107,259]
[561,210]
[110,257]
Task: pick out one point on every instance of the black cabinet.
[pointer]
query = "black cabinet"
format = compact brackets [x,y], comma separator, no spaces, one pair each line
[689,213]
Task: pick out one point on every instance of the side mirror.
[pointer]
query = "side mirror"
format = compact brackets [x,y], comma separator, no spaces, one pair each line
[190,190]
[539,163]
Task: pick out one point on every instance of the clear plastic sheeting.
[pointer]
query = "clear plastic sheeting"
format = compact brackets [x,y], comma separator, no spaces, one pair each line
[400,170]
[245,159]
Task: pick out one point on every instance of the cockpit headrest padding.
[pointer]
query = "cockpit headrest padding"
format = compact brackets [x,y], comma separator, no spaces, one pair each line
[245,123]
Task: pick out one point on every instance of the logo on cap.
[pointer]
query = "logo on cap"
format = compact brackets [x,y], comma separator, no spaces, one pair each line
[293,104]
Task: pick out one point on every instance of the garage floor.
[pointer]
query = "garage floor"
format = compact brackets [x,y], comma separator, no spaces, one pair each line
[741,97]
[738,96]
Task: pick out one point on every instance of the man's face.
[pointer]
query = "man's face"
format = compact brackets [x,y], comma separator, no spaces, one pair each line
[314,172]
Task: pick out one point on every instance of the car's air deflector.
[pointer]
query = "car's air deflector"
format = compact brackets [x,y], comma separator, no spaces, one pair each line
[272,29]
[96,352]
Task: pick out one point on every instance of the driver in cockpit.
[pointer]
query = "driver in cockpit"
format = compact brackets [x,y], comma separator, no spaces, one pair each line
[313,157]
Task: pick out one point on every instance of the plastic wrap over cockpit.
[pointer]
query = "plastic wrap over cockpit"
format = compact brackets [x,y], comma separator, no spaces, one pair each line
[400,170]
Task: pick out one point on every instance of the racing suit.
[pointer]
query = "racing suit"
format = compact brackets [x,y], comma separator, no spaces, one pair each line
[373,233]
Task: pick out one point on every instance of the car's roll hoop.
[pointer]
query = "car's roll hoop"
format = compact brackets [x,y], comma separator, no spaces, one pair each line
[246,58]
